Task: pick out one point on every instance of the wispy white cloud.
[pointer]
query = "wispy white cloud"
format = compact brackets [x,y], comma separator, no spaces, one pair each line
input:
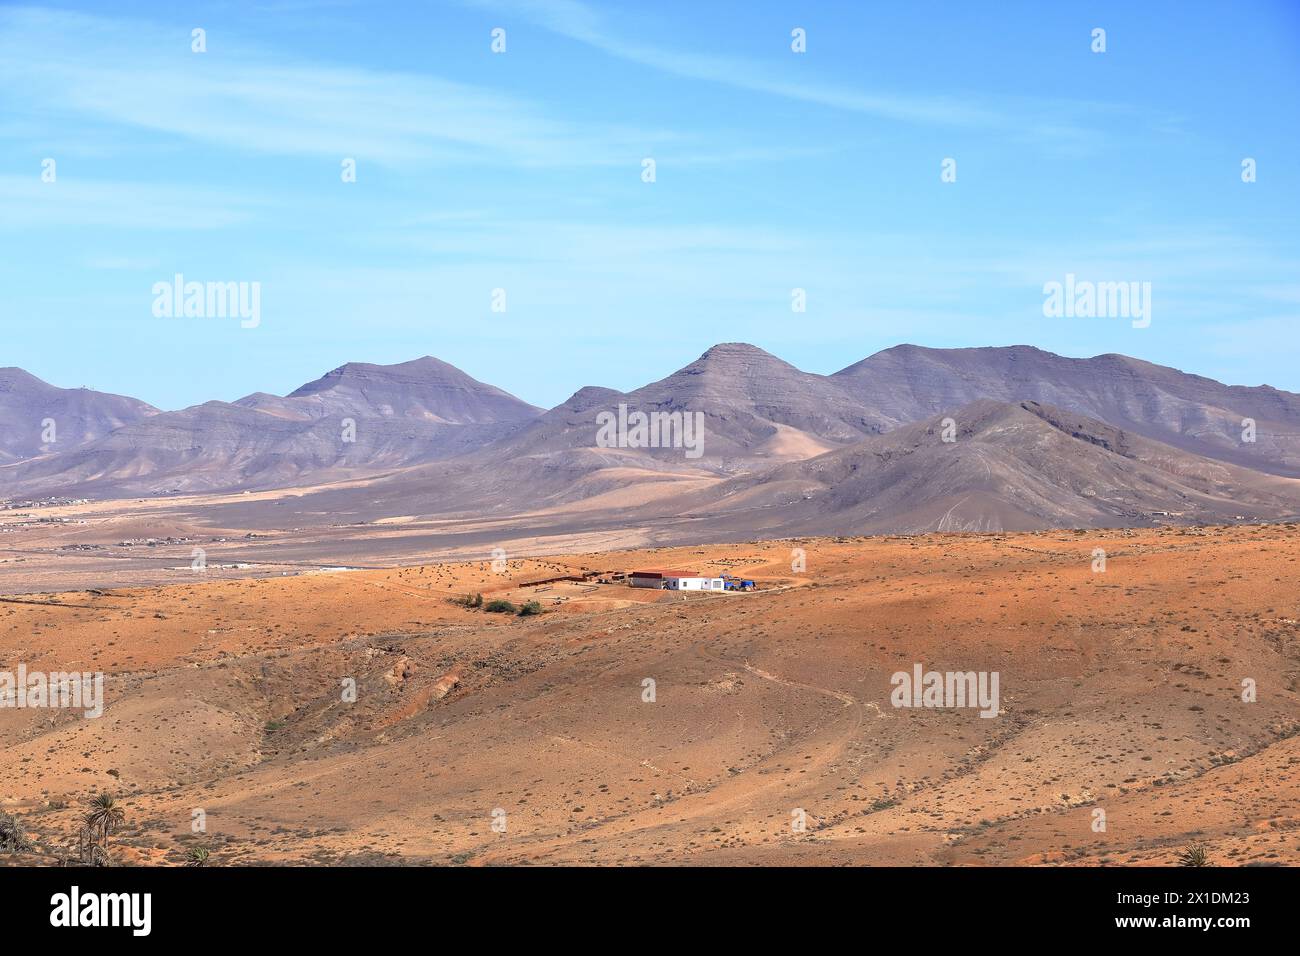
[238,97]
[28,203]
[584,23]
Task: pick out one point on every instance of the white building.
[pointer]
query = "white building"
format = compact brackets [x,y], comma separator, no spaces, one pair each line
[674,581]
[693,584]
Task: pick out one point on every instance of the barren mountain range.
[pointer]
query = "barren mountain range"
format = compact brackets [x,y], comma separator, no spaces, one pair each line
[80,415]
[910,439]
[400,415]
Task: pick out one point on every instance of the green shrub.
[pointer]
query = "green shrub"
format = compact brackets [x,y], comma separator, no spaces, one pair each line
[1195,854]
[198,856]
[531,607]
[13,835]
[500,607]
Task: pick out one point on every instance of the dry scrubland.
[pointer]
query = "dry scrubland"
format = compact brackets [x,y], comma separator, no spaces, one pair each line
[1119,690]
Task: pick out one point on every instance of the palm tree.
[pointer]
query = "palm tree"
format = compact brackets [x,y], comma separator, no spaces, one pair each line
[88,851]
[103,818]
[198,856]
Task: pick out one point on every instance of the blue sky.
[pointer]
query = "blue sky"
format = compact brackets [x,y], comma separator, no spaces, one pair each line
[775,170]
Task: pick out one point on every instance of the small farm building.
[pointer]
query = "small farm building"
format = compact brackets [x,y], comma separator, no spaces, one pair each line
[674,581]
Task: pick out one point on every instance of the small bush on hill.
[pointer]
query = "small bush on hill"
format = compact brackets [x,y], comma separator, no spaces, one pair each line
[1194,854]
[13,835]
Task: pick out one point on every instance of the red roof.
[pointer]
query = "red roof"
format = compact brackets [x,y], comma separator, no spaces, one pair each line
[664,574]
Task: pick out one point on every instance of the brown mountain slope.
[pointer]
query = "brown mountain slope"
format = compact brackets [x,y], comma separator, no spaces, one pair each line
[1196,414]
[422,437]
[749,400]
[1011,467]
[746,393]
[79,415]
[358,419]
[425,389]
[755,408]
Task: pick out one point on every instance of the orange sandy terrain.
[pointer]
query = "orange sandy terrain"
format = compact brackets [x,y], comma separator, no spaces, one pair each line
[1120,691]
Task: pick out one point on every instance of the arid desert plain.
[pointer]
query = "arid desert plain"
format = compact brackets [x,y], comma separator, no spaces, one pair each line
[626,726]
